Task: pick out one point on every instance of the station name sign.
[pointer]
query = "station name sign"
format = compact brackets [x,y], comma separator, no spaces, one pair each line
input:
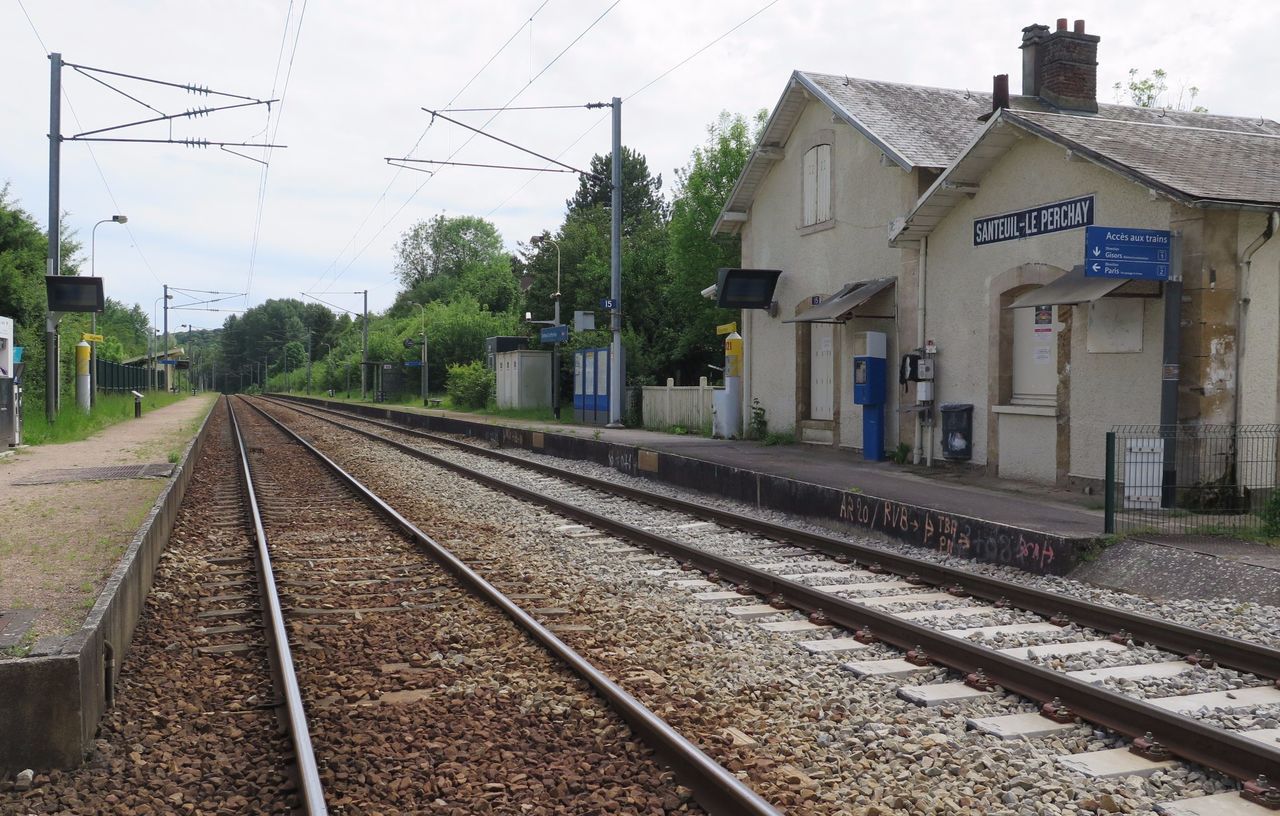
[1060,215]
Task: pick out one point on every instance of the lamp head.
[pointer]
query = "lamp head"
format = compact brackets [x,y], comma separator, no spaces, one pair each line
[536,240]
[120,219]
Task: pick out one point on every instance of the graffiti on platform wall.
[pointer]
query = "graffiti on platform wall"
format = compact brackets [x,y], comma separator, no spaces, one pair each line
[948,534]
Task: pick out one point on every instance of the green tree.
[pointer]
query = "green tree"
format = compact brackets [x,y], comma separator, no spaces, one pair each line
[694,254]
[1145,92]
[444,247]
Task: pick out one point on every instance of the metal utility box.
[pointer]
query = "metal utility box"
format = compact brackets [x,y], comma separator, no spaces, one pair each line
[524,379]
[870,381]
[591,369]
[493,346]
[389,385]
[10,387]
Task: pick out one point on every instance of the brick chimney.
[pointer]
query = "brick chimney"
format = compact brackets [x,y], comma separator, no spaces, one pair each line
[1061,67]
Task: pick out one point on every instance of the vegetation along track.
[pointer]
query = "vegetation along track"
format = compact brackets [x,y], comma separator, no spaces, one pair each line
[1018,655]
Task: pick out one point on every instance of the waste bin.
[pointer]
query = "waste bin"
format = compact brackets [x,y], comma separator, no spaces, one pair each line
[957,430]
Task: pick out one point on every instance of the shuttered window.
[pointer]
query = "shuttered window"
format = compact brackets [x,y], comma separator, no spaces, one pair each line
[816,185]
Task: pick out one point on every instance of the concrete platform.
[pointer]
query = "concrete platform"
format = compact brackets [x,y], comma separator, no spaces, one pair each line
[941,694]
[1219,804]
[54,697]
[1018,726]
[1112,763]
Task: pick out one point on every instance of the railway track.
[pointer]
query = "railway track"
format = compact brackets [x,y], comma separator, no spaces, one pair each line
[888,600]
[427,688]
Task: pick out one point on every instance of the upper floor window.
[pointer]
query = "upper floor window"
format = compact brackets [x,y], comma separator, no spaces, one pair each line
[816,185]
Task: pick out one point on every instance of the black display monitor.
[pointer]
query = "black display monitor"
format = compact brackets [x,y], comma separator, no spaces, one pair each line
[70,293]
[746,288]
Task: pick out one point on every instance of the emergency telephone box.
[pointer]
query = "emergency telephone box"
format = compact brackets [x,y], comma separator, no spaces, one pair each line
[870,378]
[10,387]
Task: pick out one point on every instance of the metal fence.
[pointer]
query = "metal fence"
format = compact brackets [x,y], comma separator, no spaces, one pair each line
[1193,479]
[117,378]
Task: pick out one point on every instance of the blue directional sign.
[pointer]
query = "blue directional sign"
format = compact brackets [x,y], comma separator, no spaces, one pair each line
[608,303]
[554,334]
[1125,252]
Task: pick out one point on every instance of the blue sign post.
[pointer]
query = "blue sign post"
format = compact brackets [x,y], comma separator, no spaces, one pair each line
[554,334]
[1125,252]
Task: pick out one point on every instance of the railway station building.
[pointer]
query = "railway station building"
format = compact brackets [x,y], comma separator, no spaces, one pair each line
[954,223]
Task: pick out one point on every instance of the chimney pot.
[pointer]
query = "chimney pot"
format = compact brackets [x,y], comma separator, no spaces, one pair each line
[1062,23]
[1000,92]
[1079,26]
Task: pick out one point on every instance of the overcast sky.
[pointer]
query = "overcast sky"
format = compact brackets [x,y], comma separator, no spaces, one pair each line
[332,209]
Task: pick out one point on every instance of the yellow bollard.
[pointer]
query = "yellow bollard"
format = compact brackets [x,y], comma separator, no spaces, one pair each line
[82,376]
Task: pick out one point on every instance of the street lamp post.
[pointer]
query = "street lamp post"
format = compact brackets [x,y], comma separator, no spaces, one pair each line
[538,240]
[424,352]
[155,358]
[93,318]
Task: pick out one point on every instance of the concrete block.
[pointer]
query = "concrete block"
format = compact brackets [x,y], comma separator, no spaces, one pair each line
[1018,726]
[836,574]
[1009,629]
[917,598]
[941,693]
[1219,804]
[692,583]
[892,667]
[943,614]
[1064,649]
[1266,736]
[719,595]
[1113,762]
[1220,700]
[866,586]
[831,645]
[792,626]
[752,611]
[1168,669]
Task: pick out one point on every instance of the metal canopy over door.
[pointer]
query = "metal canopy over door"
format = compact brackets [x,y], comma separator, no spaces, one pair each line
[822,372]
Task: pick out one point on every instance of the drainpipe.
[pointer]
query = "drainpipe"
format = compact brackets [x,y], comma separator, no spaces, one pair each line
[1242,303]
[922,267]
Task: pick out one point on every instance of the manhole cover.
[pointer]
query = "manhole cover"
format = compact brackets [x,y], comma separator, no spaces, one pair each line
[150,471]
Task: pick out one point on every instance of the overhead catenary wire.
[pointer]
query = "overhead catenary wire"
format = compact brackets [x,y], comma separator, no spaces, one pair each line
[264,174]
[514,97]
[636,93]
[382,197]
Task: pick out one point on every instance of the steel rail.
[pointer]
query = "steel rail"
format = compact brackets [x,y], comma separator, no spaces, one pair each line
[1235,653]
[281,659]
[1229,753]
[714,787]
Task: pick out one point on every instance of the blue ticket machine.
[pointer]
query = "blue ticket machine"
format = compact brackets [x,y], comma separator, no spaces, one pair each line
[870,375]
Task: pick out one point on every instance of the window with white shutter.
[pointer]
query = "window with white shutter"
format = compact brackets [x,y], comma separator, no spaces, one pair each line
[816,185]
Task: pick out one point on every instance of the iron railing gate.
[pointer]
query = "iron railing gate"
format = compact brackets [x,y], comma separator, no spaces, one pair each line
[1193,479]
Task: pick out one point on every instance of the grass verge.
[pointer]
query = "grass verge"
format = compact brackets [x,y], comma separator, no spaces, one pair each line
[72,424]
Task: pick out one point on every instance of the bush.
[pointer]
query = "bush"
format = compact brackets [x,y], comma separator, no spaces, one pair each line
[470,385]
